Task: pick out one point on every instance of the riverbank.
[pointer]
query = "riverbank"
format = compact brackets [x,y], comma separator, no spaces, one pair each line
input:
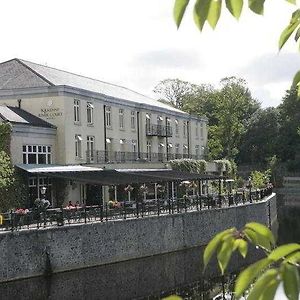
[29,253]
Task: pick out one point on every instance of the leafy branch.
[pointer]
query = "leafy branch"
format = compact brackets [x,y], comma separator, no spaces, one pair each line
[210,11]
[262,278]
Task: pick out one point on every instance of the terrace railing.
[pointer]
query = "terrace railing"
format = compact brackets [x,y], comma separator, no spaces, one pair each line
[101,157]
[39,218]
[159,130]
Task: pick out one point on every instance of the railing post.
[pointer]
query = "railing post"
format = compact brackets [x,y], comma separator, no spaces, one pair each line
[158,206]
[106,211]
[124,210]
[137,207]
[101,212]
[85,215]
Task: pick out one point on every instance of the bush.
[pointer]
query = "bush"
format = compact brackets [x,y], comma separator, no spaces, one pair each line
[189,165]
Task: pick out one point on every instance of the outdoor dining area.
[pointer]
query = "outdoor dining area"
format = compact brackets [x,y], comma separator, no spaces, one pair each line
[135,194]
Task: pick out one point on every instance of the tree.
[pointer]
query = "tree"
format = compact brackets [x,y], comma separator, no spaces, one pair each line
[210,11]
[260,141]
[173,91]
[289,139]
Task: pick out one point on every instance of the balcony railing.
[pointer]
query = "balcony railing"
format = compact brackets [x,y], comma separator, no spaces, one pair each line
[158,130]
[100,157]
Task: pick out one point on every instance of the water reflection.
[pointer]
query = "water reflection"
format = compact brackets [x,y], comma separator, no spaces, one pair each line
[148,278]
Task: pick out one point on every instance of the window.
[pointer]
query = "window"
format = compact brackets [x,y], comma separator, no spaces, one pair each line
[76,111]
[159,120]
[185,149]
[108,116]
[177,150]
[78,140]
[132,120]
[90,143]
[90,113]
[134,148]
[149,146]
[148,123]
[176,127]
[197,130]
[36,154]
[121,118]
[184,128]
[197,151]
[201,131]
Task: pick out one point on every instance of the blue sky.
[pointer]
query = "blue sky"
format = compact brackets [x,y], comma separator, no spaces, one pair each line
[135,43]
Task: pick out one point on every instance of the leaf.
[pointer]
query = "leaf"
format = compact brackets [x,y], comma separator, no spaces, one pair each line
[270,290]
[201,10]
[257,239]
[261,284]
[179,10]
[213,244]
[262,230]
[286,33]
[291,282]
[297,35]
[225,253]
[257,6]
[172,297]
[292,1]
[242,246]
[214,13]
[283,251]
[296,79]
[235,7]
[293,258]
[246,277]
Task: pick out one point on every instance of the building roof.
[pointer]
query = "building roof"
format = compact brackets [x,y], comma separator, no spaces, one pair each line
[17,115]
[18,73]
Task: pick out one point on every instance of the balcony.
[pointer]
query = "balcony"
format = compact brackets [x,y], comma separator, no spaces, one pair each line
[158,130]
[102,157]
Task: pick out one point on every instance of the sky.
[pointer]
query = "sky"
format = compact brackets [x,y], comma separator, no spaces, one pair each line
[135,43]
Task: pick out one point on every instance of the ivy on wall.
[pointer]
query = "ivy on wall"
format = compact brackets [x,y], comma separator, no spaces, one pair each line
[12,184]
[189,165]
[5,137]
[228,167]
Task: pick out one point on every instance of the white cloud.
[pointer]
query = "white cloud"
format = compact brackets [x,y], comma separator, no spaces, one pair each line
[135,43]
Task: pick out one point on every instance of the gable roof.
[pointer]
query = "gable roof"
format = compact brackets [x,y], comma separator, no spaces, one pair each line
[18,73]
[19,116]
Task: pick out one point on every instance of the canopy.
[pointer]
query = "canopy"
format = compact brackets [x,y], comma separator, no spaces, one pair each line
[116,177]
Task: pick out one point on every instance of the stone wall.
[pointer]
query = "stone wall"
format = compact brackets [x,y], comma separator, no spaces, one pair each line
[23,253]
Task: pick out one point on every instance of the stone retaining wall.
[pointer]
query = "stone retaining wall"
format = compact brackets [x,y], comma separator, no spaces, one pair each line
[24,253]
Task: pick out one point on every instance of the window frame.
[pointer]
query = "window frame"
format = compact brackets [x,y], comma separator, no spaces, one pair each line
[90,113]
[78,146]
[76,111]
[37,151]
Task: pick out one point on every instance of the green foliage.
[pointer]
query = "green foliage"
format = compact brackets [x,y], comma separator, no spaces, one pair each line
[6,171]
[189,165]
[5,132]
[229,167]
[259,179]
[260,139]
[262,278]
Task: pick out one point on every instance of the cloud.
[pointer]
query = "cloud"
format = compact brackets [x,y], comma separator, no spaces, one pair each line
[272,68]
[169,59]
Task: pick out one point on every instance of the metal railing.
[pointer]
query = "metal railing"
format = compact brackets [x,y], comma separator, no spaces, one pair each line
[159,130]
[101,156]
[39,218]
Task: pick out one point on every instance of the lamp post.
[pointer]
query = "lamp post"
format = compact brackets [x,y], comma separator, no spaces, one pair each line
[250,186]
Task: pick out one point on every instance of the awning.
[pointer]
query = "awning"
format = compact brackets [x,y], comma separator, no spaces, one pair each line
[115,177]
